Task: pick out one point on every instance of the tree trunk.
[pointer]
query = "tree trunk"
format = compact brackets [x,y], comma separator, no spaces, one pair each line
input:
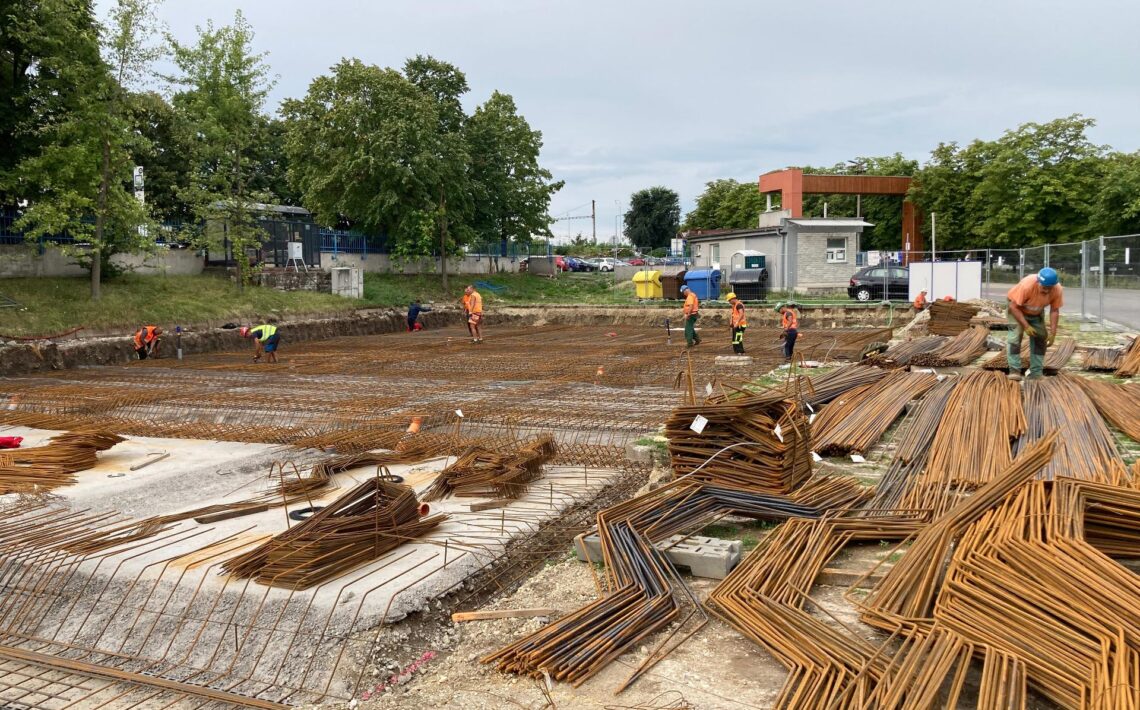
[100,225]
[443,238]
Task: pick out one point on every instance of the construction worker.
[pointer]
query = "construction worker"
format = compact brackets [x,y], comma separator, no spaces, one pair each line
[475,317]
[414,311]
[920,301]
[265,338]
[466,301]
[1026,316]
[691,310]
[790,324]
[146,341]
[736,320]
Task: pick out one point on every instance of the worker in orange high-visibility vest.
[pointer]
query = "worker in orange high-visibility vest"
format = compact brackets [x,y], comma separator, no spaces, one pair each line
[466,300]
[146,341]
[790,324]
[920,300]
[736,320]
[691,310]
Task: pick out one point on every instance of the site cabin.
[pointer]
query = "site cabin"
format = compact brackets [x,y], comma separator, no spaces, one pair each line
[803,255]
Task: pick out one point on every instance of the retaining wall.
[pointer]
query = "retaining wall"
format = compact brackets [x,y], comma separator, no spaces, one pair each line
[385,264]
[25,260]
[21,358]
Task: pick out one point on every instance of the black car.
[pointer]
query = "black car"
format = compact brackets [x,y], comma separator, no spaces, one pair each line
[867,283]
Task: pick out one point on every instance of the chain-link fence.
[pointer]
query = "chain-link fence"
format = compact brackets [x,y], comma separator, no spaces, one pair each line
[1101,276]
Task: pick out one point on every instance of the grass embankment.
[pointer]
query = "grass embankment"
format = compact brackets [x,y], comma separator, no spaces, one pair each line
[55,305]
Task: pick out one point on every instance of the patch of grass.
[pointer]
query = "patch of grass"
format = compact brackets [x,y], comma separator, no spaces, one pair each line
[54,305]
[894,557]
[749,542]
[723,532]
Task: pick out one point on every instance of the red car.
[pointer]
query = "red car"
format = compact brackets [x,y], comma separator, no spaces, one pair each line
[636,262]
[560,262]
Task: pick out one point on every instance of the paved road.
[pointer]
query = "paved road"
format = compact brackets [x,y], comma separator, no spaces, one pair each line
[1121,305]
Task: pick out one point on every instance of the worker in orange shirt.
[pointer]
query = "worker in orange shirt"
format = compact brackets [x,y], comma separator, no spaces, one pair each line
[691,310]
[146,341]
[475,319]
[790,324]
[466,301]
[920,300]
[736,320]
[1026,316]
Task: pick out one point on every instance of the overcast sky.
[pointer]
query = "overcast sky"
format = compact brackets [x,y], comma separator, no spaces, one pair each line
[633,93]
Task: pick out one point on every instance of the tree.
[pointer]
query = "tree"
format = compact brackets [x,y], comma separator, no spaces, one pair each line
[512,192]
[727,204]
[362,146]
[1036,184]
[162,149]
[45,48]
[444,84]
[1117,206]
[653,218]
[225,86]
[83,168]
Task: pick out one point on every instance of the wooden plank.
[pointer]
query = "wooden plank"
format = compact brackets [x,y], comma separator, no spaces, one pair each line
[489,504]
[227,514]
[502,614]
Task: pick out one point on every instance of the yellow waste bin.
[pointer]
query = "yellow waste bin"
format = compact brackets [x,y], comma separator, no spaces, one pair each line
[647,284]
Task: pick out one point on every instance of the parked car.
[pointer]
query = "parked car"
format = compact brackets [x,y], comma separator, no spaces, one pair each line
[637,261]
[867,283]
[606,263]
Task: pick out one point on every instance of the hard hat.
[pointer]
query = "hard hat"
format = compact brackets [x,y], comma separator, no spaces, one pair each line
[780,305]
[730,296]
[1047,277]
[684,288]
[244,331]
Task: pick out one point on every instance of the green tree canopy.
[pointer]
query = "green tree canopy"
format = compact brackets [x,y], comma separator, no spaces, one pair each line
[727,204]
[224,85]
[1117,207]
[653,217]
[512,192]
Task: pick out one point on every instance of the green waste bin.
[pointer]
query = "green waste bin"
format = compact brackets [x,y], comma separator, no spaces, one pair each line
[647,284]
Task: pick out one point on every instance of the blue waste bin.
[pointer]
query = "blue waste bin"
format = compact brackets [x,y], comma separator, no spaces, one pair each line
[704,282]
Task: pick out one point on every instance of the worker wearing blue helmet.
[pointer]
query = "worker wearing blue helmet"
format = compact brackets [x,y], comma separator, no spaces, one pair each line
[1026,315]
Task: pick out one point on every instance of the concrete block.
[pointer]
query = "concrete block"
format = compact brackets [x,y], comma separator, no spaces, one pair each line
[703,556]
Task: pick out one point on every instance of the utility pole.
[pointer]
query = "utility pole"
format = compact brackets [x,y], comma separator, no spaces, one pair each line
[933,239]
[594,218]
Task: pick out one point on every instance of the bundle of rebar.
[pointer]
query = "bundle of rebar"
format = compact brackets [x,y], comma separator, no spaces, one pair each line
[901,354]
[1055,358]
[1085,449]
[857,419]
[950,317]
[750,443]
[1103,359]
[1129,360]
[644,592]
[913,447]
[1118,403]
[53,465]
[481,473]
[973,442]
[962,349]
[358,527]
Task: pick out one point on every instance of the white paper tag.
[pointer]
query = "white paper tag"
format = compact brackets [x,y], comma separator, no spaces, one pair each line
[459,413]
[816,457]
[698,424]
[708,389]
[811,418]
[858,459]
[810,408]
[779,433]
[941,377]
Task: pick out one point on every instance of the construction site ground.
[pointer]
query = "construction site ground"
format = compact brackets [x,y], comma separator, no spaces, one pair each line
[216,427]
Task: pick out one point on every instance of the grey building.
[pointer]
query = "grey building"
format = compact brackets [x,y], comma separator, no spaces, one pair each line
[802,255]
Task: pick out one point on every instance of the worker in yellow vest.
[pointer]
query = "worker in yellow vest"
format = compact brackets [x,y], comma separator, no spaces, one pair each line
[265,338]
[736,320]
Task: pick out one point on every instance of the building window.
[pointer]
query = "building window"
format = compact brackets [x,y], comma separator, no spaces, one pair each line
[698,250]
[837,251]
[716,253]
